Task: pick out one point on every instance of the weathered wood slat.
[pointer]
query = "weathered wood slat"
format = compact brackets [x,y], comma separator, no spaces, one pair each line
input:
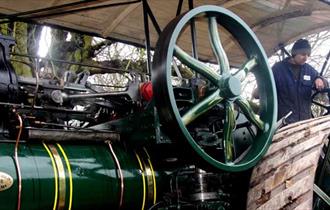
[305,205]
[285,155]
[282,175]
[284,178]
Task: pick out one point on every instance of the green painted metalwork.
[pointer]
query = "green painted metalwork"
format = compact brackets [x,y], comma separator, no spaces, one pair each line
[196,65]
[322,194]
[202,107]
[37,177]
[248,112]
[245,69]
[225,84]
[230,87]
[322,180]
[95,183]
[217,48]
[227,130]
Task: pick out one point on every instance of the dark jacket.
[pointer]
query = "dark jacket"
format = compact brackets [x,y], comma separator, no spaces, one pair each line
[294,95]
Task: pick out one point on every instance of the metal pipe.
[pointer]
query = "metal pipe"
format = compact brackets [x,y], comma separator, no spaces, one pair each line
[193,31]
[94,95]
[114,70]
[179,8]
[283,50]
[69,126]
[147,35]
[121,177]
[44,108]
[153,19]
[71,135]
[18,169]
[325,63]
[26,63]
[37,84]
[321,194]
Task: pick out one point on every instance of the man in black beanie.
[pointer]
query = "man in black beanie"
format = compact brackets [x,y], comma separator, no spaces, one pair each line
[295,80]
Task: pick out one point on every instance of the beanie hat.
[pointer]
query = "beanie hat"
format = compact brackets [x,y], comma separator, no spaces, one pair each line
[301,46]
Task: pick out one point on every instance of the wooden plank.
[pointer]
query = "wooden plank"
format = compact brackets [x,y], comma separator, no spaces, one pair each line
[284,178]
[114,22]
[287,154]
[289,194]
[305,205]
[283,174]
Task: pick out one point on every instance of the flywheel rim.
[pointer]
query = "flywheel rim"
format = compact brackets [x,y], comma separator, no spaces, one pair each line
[164,91]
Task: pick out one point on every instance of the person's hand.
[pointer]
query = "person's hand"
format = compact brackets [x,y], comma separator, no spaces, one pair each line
[319,84]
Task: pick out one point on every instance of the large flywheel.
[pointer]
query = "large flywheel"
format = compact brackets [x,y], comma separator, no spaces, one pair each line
[217,107]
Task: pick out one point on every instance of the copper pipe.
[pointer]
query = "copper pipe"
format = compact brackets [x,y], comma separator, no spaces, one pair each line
[18,169]
[120,175]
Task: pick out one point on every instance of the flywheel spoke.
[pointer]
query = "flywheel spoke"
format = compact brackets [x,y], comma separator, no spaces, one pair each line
[196,65]
[228,132]
[246,68]
[202,107]
[249,113]
[217,48]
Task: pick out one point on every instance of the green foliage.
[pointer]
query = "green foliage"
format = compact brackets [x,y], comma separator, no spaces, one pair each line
[21,37]
[5,29]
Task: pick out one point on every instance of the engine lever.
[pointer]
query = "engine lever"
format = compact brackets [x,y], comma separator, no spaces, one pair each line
[282,122]
[68,76]
[82,78]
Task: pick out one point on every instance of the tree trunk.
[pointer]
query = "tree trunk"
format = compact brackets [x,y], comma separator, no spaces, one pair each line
[76,50]
[21,64]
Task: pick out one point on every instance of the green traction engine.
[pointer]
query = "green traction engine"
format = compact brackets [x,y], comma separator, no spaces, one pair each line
[169,142]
